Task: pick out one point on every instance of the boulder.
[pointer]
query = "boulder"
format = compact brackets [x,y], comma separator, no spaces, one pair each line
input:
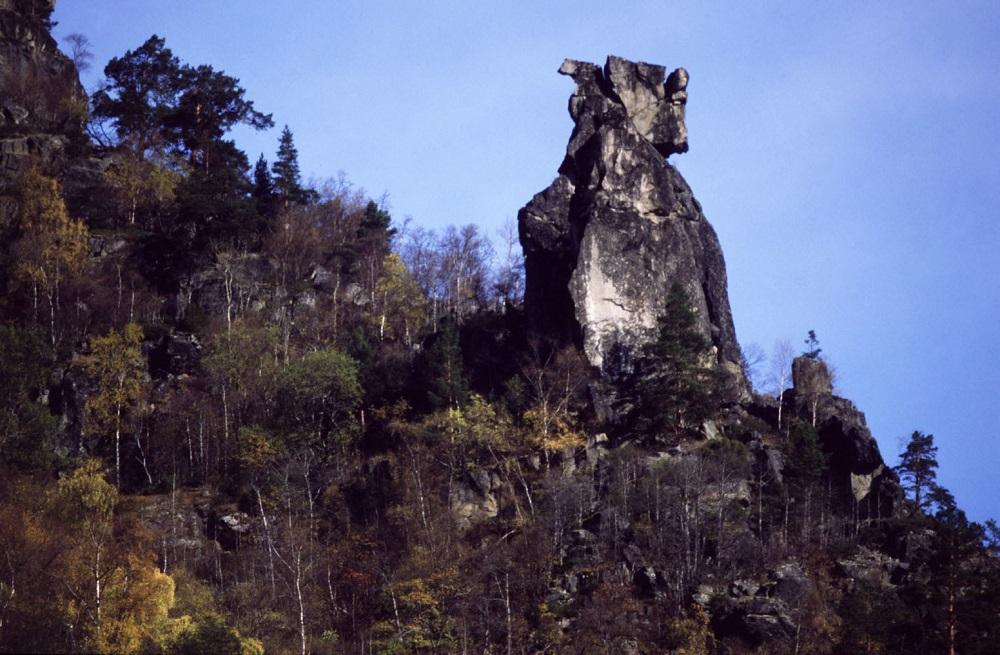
[178,523]
[606,241]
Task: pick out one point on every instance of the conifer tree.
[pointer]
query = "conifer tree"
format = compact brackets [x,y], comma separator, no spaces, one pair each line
[918,468]
[681,388]
[812,344]
[287,182]
[446,383]
[263,189]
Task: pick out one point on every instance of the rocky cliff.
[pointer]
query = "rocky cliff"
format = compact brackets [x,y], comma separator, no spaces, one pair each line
[619,226]
[855,461]
[42,103]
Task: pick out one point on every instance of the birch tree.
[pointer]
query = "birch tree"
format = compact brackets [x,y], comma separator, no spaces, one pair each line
[52,245]
[118,367]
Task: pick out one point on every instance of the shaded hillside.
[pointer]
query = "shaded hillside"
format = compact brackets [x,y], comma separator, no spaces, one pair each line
[242,415]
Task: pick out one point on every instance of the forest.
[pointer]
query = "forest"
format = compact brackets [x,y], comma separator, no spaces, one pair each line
[242,412]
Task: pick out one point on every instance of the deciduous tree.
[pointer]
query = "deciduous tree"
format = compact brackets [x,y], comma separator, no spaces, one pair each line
[52,245]
[119,370]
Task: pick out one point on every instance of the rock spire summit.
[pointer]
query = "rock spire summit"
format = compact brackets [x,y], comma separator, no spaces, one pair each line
[619,226]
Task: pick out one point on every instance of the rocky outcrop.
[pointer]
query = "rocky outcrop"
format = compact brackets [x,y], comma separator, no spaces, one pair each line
[472,498]
[42,104]
[759,613]
[854,456]
[606,241]
[176,353]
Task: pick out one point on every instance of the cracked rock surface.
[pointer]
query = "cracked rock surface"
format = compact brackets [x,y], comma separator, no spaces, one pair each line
[619,226]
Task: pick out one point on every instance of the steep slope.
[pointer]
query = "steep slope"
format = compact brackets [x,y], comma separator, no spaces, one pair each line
[42,103]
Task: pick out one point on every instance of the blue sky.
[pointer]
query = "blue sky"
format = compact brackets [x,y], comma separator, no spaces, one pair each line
[847,154]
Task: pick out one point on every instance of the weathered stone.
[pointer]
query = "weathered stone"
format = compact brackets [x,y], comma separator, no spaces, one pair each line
[812,375]
[472,500]
[761,613]
[178,523]
[872,567]
[176,353]
[606,241]
[855,461]
[42,103]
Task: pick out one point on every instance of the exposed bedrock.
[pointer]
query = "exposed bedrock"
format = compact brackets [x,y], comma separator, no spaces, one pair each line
[619,226]
[42,104]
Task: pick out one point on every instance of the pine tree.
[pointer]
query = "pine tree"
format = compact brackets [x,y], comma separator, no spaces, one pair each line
[918,468]
[812,344]
[287,180]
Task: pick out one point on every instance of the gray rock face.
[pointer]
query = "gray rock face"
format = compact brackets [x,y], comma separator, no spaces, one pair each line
[473,500]
[843,432]
[812,375]
[42,103]
[760,612]
[606,241]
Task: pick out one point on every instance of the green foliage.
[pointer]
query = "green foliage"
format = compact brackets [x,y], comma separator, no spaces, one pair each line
[258,449]
[84,497]
[807,463]
[287,180]
[812,346]
[157,106]
[209,635]
[143,184]
[214,204]
[474,429]
[402,302]
[264,197]
[444,374]
[681,387]
[117,365]
[317,398]
[27,429]
[52,246]
[917,468]
[150,95]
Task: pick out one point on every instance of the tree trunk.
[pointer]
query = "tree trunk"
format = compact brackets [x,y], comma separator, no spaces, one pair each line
[298,594]
[267,535]
[118,433]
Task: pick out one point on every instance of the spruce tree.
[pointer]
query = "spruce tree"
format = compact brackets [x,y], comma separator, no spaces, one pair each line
[445,379]
[680,388]
[287,181]
[263,189]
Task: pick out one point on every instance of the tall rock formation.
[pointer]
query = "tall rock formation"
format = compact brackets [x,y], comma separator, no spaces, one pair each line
[606,241]
[42,103]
